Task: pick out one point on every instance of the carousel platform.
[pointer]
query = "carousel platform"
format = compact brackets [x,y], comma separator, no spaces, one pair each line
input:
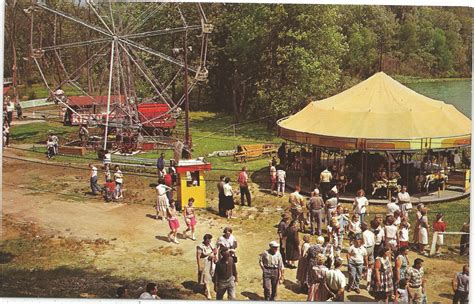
[451,193]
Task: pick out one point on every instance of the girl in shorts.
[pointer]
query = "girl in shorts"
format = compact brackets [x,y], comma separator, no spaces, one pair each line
[173,222]
[189,219]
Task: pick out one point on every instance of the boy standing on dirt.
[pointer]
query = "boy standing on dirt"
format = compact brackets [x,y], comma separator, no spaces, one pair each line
[93,180]
[118,177]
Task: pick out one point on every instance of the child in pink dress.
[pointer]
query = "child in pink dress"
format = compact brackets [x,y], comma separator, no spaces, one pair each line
[173,222]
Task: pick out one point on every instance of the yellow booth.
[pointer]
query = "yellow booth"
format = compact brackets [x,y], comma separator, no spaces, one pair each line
[191,181]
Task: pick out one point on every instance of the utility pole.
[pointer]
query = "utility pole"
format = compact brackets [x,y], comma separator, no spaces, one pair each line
[186,97]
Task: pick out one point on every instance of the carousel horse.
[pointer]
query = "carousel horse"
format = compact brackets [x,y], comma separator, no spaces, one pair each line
[425,181]
[379,184]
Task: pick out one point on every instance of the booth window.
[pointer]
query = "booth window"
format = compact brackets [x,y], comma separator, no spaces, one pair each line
[192,178]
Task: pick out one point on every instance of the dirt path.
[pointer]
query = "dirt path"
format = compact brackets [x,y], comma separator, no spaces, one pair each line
[137,247]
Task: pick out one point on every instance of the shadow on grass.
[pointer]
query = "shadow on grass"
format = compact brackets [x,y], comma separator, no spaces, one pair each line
[66,282]
[193,286]
[295,287]
[359,298]
[446,295]
[5,257]
[252,296]
[261,177]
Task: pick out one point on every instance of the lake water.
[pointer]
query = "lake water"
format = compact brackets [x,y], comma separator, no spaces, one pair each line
[455,92]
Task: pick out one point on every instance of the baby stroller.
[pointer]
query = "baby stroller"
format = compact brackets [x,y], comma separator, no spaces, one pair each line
[108,191]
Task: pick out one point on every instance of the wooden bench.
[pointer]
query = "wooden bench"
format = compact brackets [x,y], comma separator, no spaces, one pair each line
[245,152]
[72,150]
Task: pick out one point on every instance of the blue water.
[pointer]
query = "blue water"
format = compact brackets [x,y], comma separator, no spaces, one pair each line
[456,92]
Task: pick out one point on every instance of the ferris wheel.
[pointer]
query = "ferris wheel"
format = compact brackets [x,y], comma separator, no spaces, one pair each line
[132,53]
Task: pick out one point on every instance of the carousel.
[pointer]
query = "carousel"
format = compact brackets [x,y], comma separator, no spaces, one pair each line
[378,136]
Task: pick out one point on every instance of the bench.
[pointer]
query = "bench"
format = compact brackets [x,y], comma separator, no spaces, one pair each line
[72,150]
[245,152]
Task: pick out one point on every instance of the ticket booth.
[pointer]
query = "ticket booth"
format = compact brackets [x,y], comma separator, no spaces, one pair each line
[191,182]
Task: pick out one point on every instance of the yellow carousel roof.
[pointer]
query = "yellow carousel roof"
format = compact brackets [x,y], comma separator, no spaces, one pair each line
[378,110]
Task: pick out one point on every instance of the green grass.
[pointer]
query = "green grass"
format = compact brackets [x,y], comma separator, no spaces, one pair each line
[38,132]
[37,91]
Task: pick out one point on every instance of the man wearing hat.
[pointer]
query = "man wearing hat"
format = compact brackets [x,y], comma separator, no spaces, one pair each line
[271,263]
[284,223]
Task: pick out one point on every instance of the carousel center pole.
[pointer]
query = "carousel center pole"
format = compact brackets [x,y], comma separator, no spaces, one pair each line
[108,95]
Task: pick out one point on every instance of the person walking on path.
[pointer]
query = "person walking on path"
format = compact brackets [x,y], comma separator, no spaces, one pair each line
[381,285]
[172,217]
[160,165]
[225,277]
[360,205]
[281,178]
[316,212]
[93,180]
[243,179]
[292,245]
[336,281]
[206,256]
[356,260]
[272,267]
[296,201]
[118,178]
[221,197]
[189,219]
[325,179]
[228,198]
[282,226]
[162,201]
[460,286]
[416,282]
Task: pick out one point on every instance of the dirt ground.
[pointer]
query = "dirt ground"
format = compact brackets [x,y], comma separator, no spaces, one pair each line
[63,242]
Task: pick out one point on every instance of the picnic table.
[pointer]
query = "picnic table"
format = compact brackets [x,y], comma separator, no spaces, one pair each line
[253,151]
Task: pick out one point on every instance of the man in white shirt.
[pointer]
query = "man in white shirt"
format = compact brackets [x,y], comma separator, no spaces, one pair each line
[404,201]
[281,177]
[356,260]
[296,201]
[369,243]
[325,179]
[336,281]
[150,293]
[392,207]
[93,180]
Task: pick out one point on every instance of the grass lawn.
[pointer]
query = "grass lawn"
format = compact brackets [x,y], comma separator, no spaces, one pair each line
[37,91]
